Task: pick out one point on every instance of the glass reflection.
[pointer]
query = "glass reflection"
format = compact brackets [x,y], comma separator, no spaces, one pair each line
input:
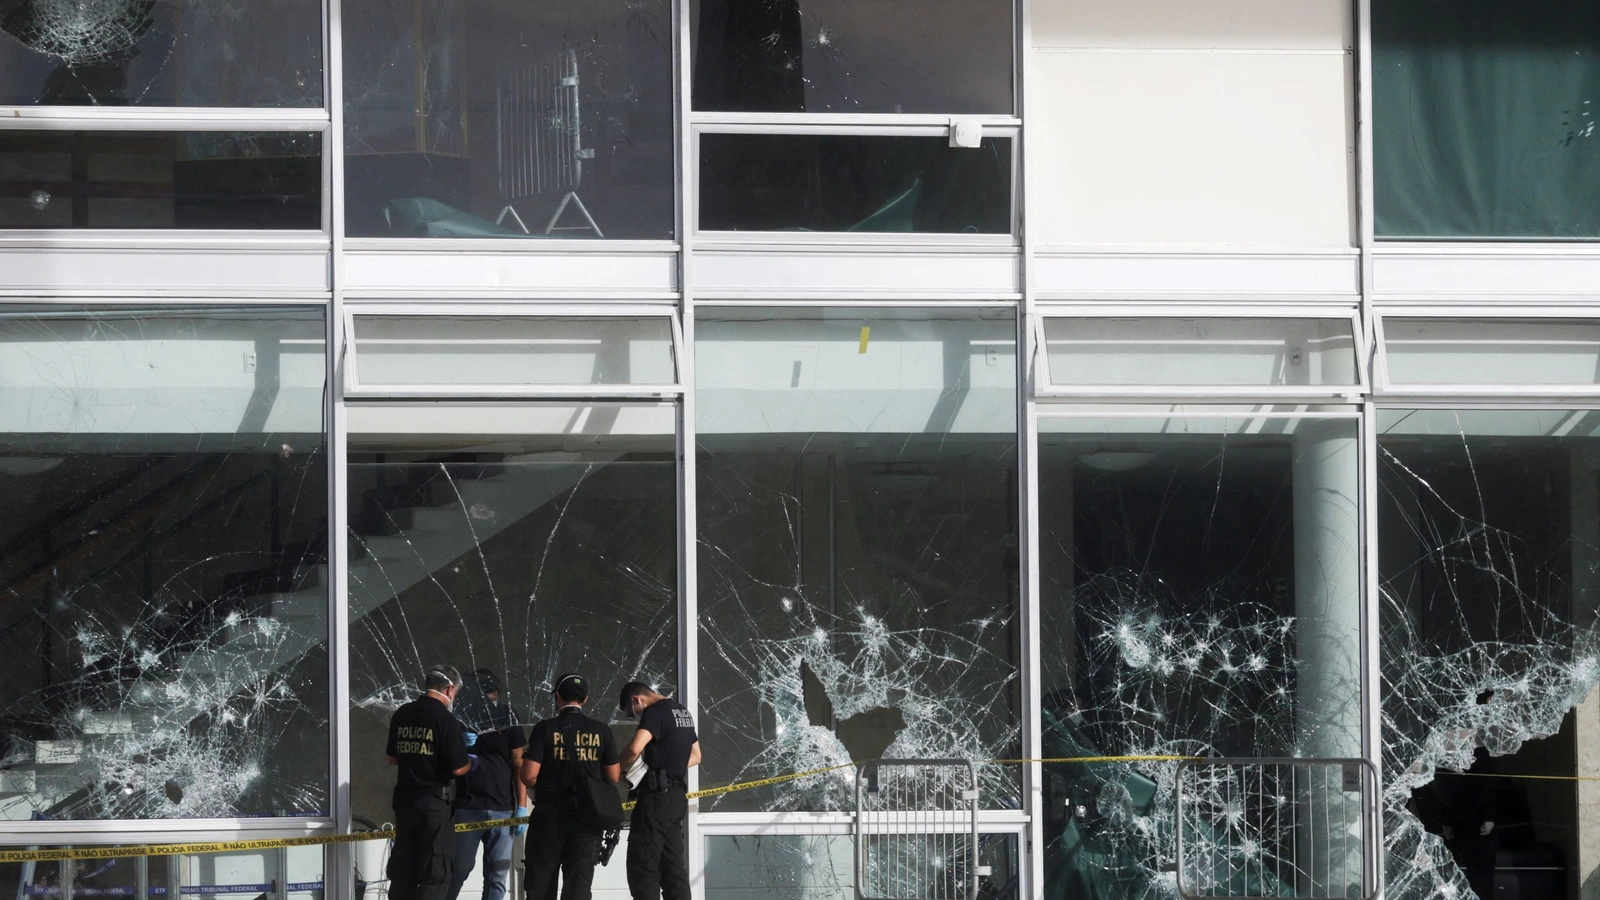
[527,540]
[1200,598]
[842,183]
[240,53]
[505,119]
[164,562]
[858,575]
[889,56]
[132,179]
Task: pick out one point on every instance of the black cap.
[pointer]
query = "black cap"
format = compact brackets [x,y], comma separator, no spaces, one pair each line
[571,687]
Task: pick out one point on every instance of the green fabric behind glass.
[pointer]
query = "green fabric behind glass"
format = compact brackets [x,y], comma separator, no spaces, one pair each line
[1484,118]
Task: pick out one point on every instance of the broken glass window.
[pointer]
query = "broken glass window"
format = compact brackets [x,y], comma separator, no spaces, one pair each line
[858,553]
[163,615]
[822,56]
[822,867]
[852,183]
[152,180]
[1201,597]
[231,53]
[506,119]
[522,541]
[1489,551]
[289,872]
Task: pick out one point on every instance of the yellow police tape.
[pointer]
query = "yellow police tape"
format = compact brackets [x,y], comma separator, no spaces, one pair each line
[126,852]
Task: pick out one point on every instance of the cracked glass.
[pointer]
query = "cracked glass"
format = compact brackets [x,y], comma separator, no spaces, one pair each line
[837,56]
[508,119]
[853,183]
[1200,597]
[1489,554]
[164,556]
[160,180]
[520,540]
[857,490]
[822,867]
[188,53]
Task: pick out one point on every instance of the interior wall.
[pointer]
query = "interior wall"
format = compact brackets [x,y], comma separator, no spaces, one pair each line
[1180,122]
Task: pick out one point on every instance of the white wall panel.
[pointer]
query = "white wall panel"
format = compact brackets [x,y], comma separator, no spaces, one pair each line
[1276,24]
[1332,274]
[1446,274]
[419,273]
[1192,147]
[134,271]
[848,274]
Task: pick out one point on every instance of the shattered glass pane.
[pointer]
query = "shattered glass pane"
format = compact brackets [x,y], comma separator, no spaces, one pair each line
[1200,598]
[507,119]
[1489,549]
[155,180]
[164,556]
[245,874]
[238,53]
[524,540]
[858,553]
[821,56]
[822,867]
[853,183]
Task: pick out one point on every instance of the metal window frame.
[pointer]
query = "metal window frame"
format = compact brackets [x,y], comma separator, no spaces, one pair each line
[354,389]
[1046,390]
[1388,390]
[869,126]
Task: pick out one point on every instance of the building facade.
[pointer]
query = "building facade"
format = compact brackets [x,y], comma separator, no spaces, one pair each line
[1014,382]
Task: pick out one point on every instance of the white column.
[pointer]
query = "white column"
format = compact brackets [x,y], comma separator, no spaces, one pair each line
[1327,579]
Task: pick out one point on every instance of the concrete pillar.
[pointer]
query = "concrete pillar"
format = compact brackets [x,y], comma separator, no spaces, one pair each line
[1327,588]
[1585,551]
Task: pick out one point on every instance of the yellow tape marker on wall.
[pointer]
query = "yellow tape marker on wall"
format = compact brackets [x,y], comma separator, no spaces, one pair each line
[866,331]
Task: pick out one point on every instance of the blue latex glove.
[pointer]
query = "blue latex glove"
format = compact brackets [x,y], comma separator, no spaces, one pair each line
[469,738]
[520,830]
[472,761]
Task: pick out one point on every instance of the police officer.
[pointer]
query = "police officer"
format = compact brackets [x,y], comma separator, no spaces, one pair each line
[562,754]
[488,791]
[425,743]
[657,847]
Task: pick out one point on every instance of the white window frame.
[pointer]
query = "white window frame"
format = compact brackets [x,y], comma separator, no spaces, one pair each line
[354,389]
[1045,390]
[1387,389]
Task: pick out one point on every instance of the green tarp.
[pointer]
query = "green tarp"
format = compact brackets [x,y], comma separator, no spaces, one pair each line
[1485,118]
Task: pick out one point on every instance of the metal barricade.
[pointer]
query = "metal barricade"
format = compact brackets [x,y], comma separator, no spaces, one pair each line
[916,830]
[1279,827]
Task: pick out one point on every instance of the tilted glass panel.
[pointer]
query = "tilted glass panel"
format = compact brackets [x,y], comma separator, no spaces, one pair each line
[853,183]
[822,867]
[163,612]
[240,53]
[295,872]
[151,180]
[1160,350]
[514,542]
[1200,596]
[1484,118]
[510,350]
[822,56]
[505,119]
[1488,534]
[1433,351]
[858,551]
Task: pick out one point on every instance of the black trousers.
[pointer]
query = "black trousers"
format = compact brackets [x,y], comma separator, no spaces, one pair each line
[657,847]
[557,843]
[424,854]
